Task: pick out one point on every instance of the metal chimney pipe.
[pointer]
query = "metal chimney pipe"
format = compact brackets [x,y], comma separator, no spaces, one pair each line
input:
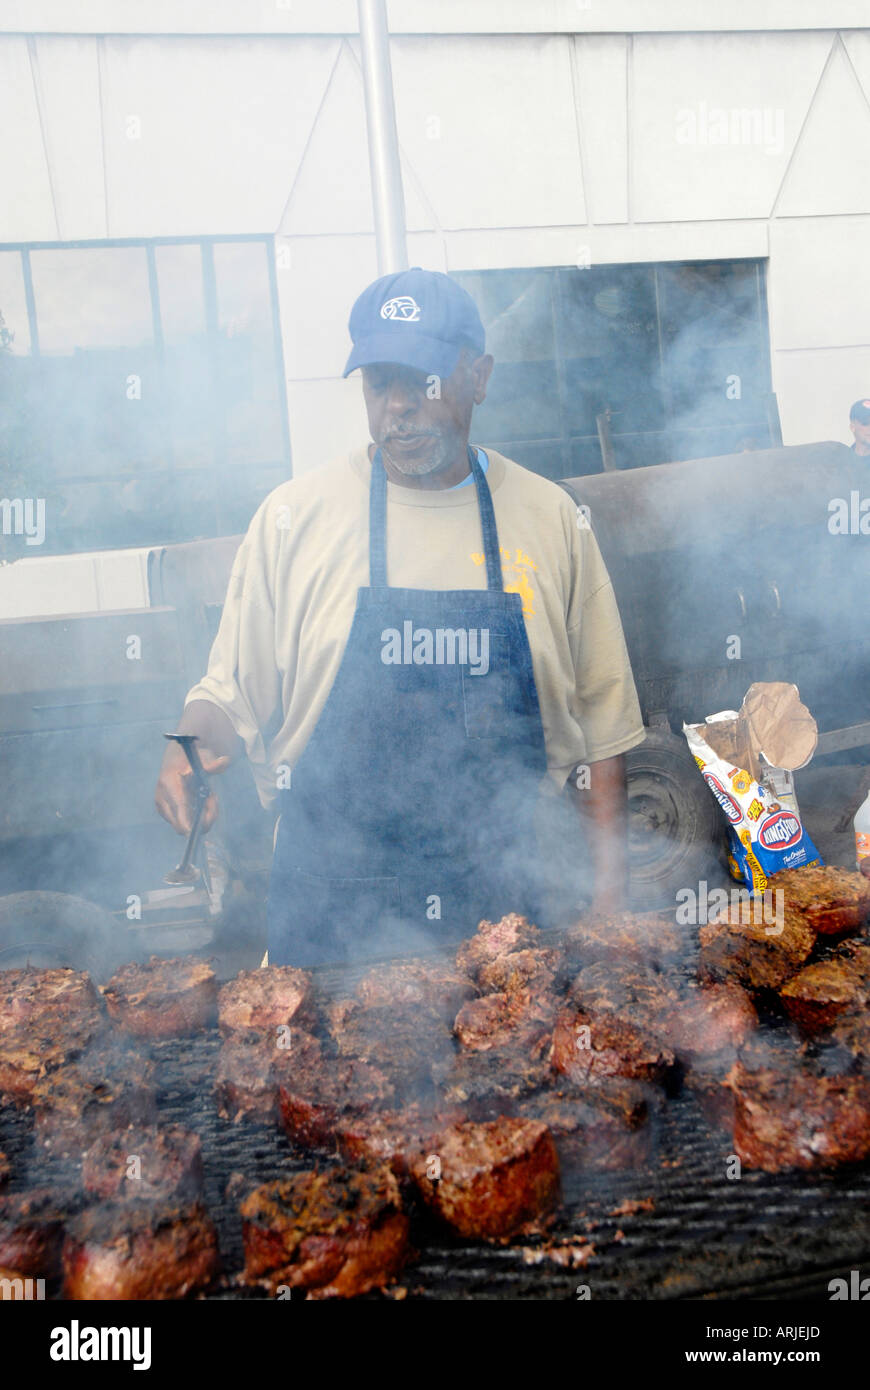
[386,173]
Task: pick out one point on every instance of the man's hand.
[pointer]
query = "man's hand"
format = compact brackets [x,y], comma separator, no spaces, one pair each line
[175,795]
[219,745]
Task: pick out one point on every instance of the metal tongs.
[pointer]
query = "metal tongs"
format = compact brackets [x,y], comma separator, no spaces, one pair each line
[187,871]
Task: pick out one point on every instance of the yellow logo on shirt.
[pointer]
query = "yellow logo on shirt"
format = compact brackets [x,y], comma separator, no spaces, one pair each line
[515,567]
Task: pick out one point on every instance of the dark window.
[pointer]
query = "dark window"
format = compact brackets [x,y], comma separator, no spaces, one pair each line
[674,357]
[141,387]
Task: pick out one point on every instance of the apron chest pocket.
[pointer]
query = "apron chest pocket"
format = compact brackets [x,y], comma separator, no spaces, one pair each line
[354,911]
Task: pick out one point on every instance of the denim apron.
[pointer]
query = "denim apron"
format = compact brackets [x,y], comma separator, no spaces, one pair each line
[409,813]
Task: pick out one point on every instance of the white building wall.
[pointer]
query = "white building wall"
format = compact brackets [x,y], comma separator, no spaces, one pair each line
[531,135]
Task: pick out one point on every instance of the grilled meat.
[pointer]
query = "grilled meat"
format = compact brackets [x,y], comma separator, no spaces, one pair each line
[817,995]
[316,1095]
[710,1021]
[755,955]
[259,1002]
[489,1082]
[245,1084]
[139,1250]
[29,1053]
[144,1163]
[632,991]
[535,970]
[832,900]
[31,1231]
[163,999]
[491,1180]
[4,1169]
[107,1088]
[392,1136]
[605,1126]
[336,1234]
[41,1000]
[851,1036]
[797,1120]
[615,1024]
[588,1046]
[436,985]
[402,1042]
[494,939]
[516,1018]
[644,938]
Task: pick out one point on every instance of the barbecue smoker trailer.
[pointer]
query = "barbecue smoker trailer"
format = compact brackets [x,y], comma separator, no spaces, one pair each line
[727,571]
[701,553]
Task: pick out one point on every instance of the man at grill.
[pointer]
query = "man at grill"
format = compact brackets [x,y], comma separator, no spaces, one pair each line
[421,655]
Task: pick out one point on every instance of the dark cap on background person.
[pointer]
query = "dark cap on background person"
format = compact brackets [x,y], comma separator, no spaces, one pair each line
[861,412]
[417,318]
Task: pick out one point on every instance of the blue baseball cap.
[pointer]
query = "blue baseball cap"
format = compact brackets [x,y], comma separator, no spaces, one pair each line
[419,318]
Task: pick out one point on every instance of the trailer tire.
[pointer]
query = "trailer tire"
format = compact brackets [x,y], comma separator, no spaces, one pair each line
[54,929]
[674,823]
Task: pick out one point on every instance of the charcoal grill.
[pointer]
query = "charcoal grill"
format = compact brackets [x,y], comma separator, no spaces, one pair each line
[762,1236]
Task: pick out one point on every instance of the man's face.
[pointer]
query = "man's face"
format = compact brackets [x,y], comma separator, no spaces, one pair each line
[862,436]
[421,422]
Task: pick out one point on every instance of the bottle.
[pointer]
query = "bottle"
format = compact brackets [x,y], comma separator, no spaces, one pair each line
[862,836]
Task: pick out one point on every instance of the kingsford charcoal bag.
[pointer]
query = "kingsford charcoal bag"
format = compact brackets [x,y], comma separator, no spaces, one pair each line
[764,834]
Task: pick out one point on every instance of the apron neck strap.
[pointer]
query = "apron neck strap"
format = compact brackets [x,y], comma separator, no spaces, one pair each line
[378,524]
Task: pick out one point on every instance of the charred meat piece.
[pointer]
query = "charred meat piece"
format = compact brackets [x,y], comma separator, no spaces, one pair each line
[163,999]
[436,985]
[588,1046]
[4,1169]
[139,1250]
[491,1180]
[402,1042]
[259,1002]
[710,1021]
[754,954]
[144,1163]
[494,939]
[781,1050]
[817,995]
[601,1127]
[392,1136]
[490,1082]
[643,938]
[31,1231]
[246,1084]
[336,1234]
[29,1054]
[43,1000]
[635,992]
[799,1120]
[832,900]
[851,1036]
[316,1095]
[107,1088]
[517,1017]
[617,1024]
[535,970]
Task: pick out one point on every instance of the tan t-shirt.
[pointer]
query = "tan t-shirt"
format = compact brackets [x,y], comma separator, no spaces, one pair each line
[293,587]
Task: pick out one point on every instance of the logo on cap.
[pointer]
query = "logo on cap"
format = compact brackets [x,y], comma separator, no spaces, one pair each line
[404,307]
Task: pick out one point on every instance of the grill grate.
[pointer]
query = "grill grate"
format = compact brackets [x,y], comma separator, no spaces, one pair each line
[762,1236]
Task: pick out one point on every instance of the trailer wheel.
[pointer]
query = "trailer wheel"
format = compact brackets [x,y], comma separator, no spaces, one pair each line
[673,821]
[54,929]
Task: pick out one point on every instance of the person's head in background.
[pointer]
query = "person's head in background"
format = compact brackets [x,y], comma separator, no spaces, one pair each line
[859,424]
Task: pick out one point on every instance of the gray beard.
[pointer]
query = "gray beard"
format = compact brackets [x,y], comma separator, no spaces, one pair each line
[418,468]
